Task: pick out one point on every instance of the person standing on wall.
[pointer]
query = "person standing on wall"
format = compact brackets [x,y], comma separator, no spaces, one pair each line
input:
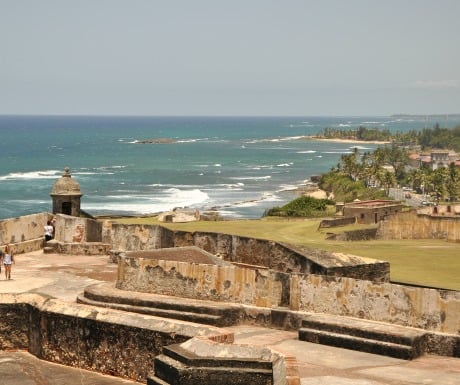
[8,260]
[49,229]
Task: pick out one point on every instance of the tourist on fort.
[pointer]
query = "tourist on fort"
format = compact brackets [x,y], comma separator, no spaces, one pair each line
[8,260]
[49,229]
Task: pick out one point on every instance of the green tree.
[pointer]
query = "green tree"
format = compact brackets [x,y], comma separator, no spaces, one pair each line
[438,184]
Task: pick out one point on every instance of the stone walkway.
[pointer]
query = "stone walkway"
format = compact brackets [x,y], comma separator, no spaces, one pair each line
[65,277]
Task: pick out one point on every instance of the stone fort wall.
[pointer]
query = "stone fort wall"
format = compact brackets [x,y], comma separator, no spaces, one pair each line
[258,252]
[103,340]
[25,233]
[429,309]
[421,225]
[356,290]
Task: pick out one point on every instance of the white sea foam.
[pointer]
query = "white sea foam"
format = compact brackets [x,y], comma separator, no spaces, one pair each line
[266,197]
[47,174]
[275,140]
[287,138]
[285,164]
[306,152]
[92,173]
[163,201]
[288,188]
[233,186]
[251,177]
[337,152]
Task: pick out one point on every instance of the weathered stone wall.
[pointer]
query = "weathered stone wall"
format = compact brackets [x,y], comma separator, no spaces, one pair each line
[355,235]
[256,286]
[252,251]
[24,232]
[76,230]
[103,340]
[136,237]
[336,222]
[77,248]
[413,225]
[430,309]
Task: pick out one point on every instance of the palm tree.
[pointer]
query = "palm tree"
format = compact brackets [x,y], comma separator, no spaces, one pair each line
[438,180]
[388,180]
[453,182]
[350,165]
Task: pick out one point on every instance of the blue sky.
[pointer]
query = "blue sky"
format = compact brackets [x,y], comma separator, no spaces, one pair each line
[212,57]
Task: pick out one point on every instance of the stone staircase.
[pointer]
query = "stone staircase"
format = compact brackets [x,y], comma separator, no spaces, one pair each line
[363,335]
[178,366]
[185,309]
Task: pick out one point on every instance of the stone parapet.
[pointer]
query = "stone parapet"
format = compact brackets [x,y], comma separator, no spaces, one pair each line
[24,232]
[252,251]
[420,225]
[428,309]
[259,287]
[256,286]
[77,248]
[103,340]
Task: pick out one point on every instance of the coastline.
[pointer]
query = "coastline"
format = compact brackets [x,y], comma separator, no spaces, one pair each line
[337,140]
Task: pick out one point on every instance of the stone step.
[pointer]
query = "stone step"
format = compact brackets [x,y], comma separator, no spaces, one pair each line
[154,380]
[207,319]
[172,371]
[367,345]
[176,352]
[108,293]
[366,329]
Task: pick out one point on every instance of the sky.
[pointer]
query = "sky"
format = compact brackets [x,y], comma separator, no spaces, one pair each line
[234,57]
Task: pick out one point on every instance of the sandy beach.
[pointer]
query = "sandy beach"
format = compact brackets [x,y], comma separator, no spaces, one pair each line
[344,140]
[317,193]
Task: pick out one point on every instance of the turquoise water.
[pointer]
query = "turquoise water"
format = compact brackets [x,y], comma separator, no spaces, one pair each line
[240,165]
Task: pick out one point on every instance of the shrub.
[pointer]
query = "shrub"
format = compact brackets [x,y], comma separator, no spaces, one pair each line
[304,206]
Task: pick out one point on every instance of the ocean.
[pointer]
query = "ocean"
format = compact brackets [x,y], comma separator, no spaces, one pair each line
[238,165]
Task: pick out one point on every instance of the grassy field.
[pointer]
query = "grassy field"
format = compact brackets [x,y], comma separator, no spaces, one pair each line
[433,263]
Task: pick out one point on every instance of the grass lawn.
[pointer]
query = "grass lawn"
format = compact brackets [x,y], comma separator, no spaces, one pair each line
[423,262]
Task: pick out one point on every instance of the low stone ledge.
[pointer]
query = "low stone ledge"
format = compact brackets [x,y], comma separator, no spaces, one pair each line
[194,361]
[200,311]
[27,246]
[79,248]
[99,339]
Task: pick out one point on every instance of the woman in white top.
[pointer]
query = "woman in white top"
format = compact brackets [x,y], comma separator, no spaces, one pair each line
[8,260]
[49,229]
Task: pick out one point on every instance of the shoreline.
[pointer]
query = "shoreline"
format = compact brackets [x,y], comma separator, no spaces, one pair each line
[337,140]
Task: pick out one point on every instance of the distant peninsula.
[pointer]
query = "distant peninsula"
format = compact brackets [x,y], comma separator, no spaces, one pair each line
[402,116]
[156,141]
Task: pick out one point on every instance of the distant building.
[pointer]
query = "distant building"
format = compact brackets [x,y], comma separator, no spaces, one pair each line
[434,160]
[439,159]
[373,211]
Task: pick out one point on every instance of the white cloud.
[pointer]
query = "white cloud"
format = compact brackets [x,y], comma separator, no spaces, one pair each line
[436,83]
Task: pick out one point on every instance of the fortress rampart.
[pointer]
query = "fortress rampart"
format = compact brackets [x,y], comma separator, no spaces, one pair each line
[430,223]
[257,286]
[107,341]
[270,283]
